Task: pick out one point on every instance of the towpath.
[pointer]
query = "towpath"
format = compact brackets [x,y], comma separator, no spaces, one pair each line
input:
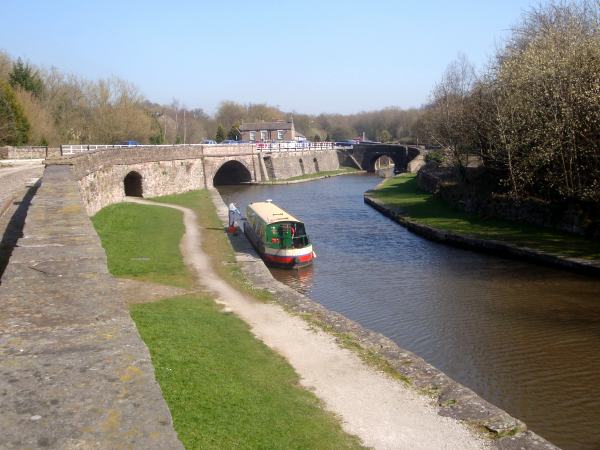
[382,412]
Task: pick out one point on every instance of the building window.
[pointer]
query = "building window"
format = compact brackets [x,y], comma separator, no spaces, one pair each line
[280,135]
[253,135]
[263,135]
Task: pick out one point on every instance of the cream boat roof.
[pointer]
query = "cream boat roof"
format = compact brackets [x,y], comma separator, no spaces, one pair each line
[271,213]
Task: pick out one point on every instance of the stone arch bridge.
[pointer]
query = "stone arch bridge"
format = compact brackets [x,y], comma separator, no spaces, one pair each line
[365,156]
[106,176]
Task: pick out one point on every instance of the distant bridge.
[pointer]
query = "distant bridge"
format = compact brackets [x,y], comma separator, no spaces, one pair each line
[365,156]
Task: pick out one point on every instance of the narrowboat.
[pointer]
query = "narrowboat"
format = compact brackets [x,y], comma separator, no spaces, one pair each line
[279,237]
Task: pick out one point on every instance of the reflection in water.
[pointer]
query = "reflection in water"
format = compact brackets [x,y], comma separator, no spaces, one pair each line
[525,337]
[301,280]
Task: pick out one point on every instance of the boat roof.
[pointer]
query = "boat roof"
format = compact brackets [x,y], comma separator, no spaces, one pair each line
[270,213]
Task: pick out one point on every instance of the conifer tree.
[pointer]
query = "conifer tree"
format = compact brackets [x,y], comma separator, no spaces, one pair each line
[14,126]
[24,77]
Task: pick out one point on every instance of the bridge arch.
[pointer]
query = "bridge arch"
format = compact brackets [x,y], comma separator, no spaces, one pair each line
[232,172]
[132,184]
[398,159]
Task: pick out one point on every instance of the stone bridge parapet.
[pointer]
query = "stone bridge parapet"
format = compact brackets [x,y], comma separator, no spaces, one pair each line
[164,170]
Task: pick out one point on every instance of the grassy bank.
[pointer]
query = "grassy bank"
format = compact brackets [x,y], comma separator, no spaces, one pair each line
[310,176]
[402,193]
[142,242]
[224,388]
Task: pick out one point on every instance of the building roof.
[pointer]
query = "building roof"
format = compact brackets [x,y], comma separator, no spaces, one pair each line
[257,126]
[271,213]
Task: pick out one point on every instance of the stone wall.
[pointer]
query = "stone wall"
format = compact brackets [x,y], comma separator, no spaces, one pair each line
[175,169]
[28,152]
[478,197]
[294,164]
[75,372]
[104,186]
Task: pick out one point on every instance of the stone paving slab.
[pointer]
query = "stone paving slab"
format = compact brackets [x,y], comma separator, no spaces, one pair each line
[44,271]
[74,372]
[32,255]
[51,399]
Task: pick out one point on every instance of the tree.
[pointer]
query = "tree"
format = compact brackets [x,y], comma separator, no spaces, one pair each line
[117,113]
[384,136]
[42,126]
[449,117]
[341,133]
[220,136]
[316,138]
[546,100]
[14,127]
[234,133]
[24,77]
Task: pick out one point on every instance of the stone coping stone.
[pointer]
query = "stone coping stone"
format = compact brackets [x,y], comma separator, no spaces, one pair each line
[46,271]
[45,239]
[32,255]
[74,372]
[496,247]
[87,387]
[58,302]
[449,397]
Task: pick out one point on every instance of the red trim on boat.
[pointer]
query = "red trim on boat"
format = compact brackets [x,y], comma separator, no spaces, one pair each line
[304,258]
[289,259]
[279,259]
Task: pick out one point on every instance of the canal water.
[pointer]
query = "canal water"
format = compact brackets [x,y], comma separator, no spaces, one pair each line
[524,337]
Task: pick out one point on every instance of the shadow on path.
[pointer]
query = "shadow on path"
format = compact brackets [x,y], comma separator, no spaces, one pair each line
[14,229]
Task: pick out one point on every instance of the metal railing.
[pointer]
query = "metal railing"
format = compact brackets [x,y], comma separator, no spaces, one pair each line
[293,146]
[69,149]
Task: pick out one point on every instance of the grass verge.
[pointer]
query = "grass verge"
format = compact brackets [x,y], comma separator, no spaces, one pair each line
[225,389]
[402,193]
[142,242]
[214,240]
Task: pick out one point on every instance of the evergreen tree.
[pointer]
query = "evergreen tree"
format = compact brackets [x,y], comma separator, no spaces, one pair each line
[220,136]
[24,77]
[14,127]
[234,133]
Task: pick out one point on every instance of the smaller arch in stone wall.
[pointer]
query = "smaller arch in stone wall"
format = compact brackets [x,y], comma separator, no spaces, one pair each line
[316,164]
[132,183]
[302,166]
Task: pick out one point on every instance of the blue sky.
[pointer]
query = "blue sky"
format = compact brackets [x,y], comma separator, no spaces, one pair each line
[307,56]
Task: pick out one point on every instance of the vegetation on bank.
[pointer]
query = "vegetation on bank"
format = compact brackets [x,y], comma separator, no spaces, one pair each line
[402,193]
[534,114]
[225,389]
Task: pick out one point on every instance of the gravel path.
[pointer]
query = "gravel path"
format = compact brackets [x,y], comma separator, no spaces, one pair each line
[382,412]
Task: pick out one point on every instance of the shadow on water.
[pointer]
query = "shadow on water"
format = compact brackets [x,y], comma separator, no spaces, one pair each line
[14,229]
